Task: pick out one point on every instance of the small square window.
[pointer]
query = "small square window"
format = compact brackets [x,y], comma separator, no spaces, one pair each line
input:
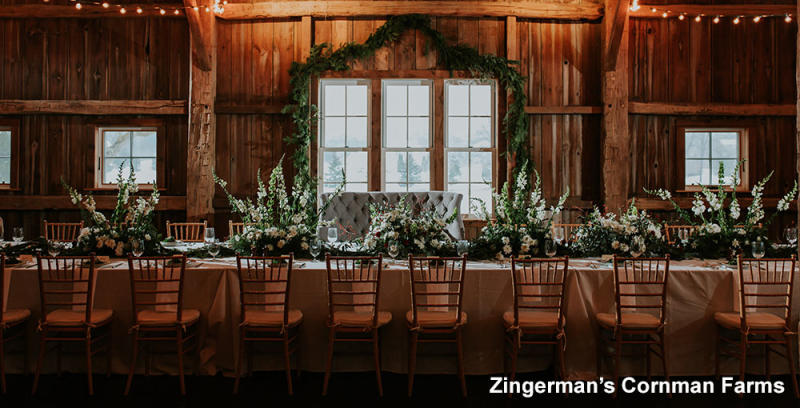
[121,147]
[705,149]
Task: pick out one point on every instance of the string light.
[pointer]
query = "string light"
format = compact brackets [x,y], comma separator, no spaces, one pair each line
[756,19]
[177,12]
[78,6]
[122,11]
[664,14]
[635,6]
[698,18]
[716,20]
[736,20]
[681,17]
[105,5]
[138,10]
[162,11]
[653,10]
[788,18]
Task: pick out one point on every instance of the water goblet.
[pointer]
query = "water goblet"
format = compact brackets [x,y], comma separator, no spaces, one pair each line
[213,249]
[550,248]
[18,234]
[315,248]
[333,234]
[462,247]
[759,249]
[137,248]
[53,248]
[210,235]
[393,251]
[790,233]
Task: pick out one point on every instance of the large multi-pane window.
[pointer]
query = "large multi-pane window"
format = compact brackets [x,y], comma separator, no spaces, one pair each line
[122,146]
[406,132]
[705,149]
[469,140]
[343,133]
[6,133]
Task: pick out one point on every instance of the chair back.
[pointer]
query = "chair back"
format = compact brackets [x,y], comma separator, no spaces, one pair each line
[565,231]
[538,285]
[354,284]
[264,284]
[235,228]
[437,285]
[187,231]
[677,233]
[157,284]
[640,285]
[67,282]
[62,231]
[765,286]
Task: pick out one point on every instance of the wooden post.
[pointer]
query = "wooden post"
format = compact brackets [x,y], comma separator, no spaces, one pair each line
[616,138]
[512,53]
[202,118]
[797,97]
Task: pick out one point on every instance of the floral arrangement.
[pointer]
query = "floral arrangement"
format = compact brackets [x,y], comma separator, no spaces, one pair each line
[398,228]
[722,229]
[276,222]
[130,224]
[521,223]
[632,233]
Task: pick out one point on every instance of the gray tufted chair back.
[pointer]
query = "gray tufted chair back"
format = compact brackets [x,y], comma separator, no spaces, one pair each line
[351,210]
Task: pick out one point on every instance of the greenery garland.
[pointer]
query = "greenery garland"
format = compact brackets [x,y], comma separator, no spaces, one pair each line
[456,57]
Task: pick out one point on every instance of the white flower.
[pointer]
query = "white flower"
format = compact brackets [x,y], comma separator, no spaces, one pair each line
[111,243]
[624,247]
[304,245]
[507,249]
[281,243]
[698,207]
[505,240]
[735,243]
[420,243]
[524,248]
[615,245]
[119,249]
[147,237]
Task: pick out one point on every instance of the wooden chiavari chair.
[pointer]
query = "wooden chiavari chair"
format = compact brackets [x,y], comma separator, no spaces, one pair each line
[235,228]
[640,291]
[12,321]
[187,231]
[353,286]
[765,311]
[62,231]
[678,232]
[566,231]
[158,312]
[538,314]
[265,314]
[436,315]
[66,288]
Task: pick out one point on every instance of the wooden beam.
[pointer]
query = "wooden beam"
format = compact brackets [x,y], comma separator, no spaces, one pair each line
[714,10]
[202,116]
[616,138]
[543,9]
[512,54]
[254,109]
[711,109]
[614,23]
[797,98]
[93,107]
[564,110]
[62,202]
[89,10]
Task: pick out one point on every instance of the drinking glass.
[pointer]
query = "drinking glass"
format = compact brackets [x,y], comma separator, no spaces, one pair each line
[759,249]
[333,234]
[315,248]
[210,236]
[137,248]
[18,234]
[636,251]
[393,251]
[790,233]
[53,248]
[462,247]
[214,249]
[550,248]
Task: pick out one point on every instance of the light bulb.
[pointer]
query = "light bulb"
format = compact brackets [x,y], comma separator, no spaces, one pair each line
[716,20]
[756,19]
[162,11]
[698,18]
[653,10]
[635,6]
[122,11]
[138,10]
[177,12]
[736,20]
[681,17]
[78,6]
[664,14]
[105,5]
[788,18]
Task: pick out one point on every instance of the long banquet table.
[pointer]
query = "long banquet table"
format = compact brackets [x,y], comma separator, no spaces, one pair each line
[696,290]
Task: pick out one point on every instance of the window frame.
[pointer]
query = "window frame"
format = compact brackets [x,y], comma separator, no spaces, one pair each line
[492,139]
[321,148]
[743,129]
[131,125]
[429,149]
[12,125]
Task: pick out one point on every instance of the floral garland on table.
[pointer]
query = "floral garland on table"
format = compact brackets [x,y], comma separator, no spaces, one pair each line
[632,233]
[276,222]
[721,231]
[521,223]
[398,228]
[130,224]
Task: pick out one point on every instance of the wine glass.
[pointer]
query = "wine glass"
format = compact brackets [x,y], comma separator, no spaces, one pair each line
[210,235]
[462,247]
[137,248]
[636,251]
[18,234]
[550,248]
[315,248]
[393,251]
[53,248]
[333,234]
[213,249]
[759,249]
[790,233]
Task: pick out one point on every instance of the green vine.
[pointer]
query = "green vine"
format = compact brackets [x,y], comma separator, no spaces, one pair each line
[456,57]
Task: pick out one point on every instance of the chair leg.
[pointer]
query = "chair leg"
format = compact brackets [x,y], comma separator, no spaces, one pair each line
[331,339]
[617,360]
[42,350]
[239,361]
[109,347]
[515,346]
[561,359]
[132,369]
[250,357]
[288,359]
[717,345]
[742,355]
[148,359]
[647,361]
[179,343]
[58,359]
[792,370]
[664,358]
[460,349]
[412,360]
[89,361]
[766,361]
[376,351]
[599,352]
[2,364]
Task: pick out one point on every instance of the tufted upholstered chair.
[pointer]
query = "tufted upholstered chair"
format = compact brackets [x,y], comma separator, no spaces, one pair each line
[351,210]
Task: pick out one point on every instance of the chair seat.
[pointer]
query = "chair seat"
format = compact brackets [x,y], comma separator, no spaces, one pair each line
[14,316]
[530,319]
[763,321]
[66,317]
[167,318]
[359,319]
[433,319]
[271,319]
[629,320]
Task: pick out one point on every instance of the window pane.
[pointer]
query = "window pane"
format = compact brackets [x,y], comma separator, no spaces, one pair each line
[329,188]
[481,167]
[458,100]
[334,132]
[396,132]
[457,167]
[457,132]
[696,145]
[357,132]
[725,145]
[144,144]
[479,132]
[418,132]
[419,168]
[333,164]
[116,144]
[145,170]
[5,170]
[480,100]
[396,187]
[483,192]
[697,172]
[5,144]
[730,165]
[419,187]
[395,100]
[334,100]
[356,100]
[356,187]
[464,190]
[395,166]
[356,165]
[111,170]
[419,102]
